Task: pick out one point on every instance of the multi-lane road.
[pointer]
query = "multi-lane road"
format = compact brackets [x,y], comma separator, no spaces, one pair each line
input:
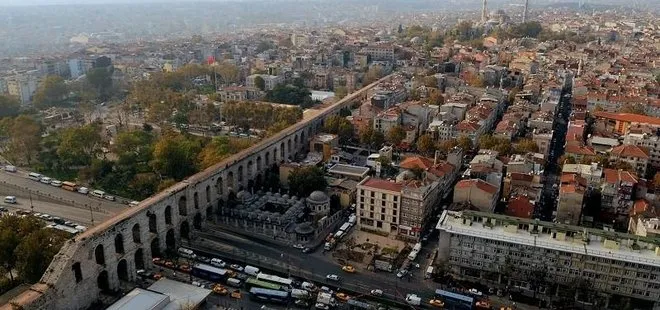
[56,201]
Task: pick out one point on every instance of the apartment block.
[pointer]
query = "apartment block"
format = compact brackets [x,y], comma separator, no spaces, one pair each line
[379,205]
[650,142]
[550,259]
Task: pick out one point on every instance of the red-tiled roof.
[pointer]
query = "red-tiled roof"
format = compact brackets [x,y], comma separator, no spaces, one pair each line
[570,188]
[416,161]
[466,125]
[580,150]
[642,206]
[520,206]
[522,177]
[505,126]
[629,150]
[383,184]
[613,175]
[629,117]
[571,178]
[482,185]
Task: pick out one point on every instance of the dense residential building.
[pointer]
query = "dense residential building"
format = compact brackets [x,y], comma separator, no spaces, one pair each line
[571,198]
[22,87]
[270,81]
[618,193]
[502,250]
[621,123]
[477,193]
[636,156]
[650,142]
[380,52]
[378,204]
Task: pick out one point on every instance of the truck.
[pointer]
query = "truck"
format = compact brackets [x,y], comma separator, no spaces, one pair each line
[413,299]
[250,270]
[345,226]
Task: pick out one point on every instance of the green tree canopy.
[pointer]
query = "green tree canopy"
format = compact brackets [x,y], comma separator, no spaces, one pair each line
[79,145]
[24,136]
[340,126]
[260,83]
[373,74]
[9,106]
[425,144]
[303,181]
[341,92]
[526,146]
[51,92]
[290,94]
[175,155]
[395,135]
[371,137]
[101,80]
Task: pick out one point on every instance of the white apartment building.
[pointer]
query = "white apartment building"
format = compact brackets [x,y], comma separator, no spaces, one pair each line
[380,52]
[379,205]
[551,259]
[270,81]
[650,142]
[22,87]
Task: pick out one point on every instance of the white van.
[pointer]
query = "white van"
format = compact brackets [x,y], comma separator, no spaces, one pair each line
[308,286]
[234,282]
[252,271]
[299,294]
[10,168]
[218,262]
[45,180]
[83,190]
[10,199]
[98,193]
[34,176]
[188,253]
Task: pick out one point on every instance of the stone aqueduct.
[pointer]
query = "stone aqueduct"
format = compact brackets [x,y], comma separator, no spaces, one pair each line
[105,255]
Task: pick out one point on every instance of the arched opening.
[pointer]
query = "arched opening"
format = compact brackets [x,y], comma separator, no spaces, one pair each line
[221,204]
[155,248]
[102,281]
[183,208]
[168,215]
[258,181]
[267,158]
[275,156]
[288,146]
[208,194]
[197,221]
[250,185]
[240,175]
[282,154]
[122,270]
[196,200]
[219,186]
[295,141]
[99,254]
[136,233]
[258,164]
[119,244]
[170,240]
[185,230]
[230,179]
[77,271]
[209,212]
[153,226]
[139,259]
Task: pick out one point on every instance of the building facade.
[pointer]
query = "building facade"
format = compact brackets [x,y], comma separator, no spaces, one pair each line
[551,260]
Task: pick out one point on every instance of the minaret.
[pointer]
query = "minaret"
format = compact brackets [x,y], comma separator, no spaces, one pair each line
[484,14]
[524,20]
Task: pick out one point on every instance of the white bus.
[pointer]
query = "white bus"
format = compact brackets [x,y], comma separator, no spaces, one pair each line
[371,160]
[274,279]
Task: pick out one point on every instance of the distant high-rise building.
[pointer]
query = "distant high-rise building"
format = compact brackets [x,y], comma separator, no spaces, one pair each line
[484,12]
[525,11]
[22,87]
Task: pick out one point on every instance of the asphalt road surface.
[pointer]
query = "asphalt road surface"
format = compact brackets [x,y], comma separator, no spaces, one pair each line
[56,201]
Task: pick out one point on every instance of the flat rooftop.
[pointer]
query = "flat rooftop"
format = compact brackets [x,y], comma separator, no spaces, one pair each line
[181,295]
[349,170]
[141,299]
[506,229]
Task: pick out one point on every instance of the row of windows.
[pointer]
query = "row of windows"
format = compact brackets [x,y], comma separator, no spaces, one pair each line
[382,210]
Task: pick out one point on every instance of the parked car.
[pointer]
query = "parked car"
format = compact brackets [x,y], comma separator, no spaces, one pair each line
[377,292]
[236,267]
[298,246]
[402,273]
[10,199]
[56,183]
[45,180]
[109,197]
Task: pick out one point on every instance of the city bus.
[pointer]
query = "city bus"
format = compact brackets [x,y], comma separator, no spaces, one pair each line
[208,272]
[455,300]
[274,279]
[70,186]
[274,296]
[253,282]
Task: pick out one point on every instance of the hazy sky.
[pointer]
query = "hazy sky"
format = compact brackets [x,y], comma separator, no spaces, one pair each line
[51,2]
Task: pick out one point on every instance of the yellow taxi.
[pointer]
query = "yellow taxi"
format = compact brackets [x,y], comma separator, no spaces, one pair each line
[342,297]
[220,290]
[437,303]
[236,294]
[348,268]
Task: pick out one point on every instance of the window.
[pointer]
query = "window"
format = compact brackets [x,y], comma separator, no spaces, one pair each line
[384,196]
[382,217]
[373,194]
[382,203]
[382,210]
[394,205]
[379,224]
[393,212]
[394,219]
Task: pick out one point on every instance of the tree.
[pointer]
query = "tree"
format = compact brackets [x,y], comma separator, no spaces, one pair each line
[34,253]
[371,137]
[229,72]
[396,134]
[51,92]
[133,146]
[526,146]
[447,145]
[220,148]
[634,108]
[465,143]
[264,46]
[9,106]
[425,144]
[175,155]
[431,81]
[79,145]
[341,92]
[656,181]
[24,136]
[373,74]
[435,98]
[305,180]
[101,80]
[290,94]
[566,159]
